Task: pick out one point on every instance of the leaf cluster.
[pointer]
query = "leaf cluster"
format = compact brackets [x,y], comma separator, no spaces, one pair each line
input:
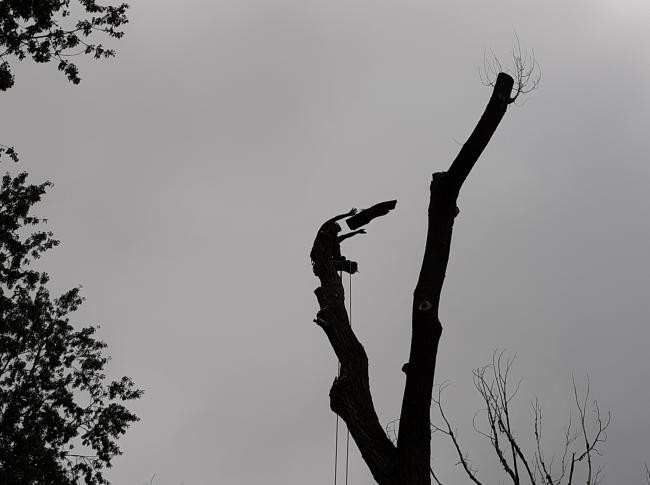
[56,30]
[60,417]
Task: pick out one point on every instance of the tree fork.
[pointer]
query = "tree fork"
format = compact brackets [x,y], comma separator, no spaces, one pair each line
[350,397]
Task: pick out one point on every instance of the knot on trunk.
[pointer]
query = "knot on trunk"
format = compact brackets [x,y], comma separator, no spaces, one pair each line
[338,392]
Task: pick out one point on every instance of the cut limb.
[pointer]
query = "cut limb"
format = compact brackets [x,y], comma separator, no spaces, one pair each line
[367,215]
[407,463]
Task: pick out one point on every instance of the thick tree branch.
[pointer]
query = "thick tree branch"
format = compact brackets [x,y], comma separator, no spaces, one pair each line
[485,128]
[350,395]
[414,440]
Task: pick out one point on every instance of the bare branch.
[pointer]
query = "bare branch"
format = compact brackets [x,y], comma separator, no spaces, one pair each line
[493,384]
[497,397]
[598,436]
[544,470]
[434,476]
[492,408]
[573,462]
[462,457]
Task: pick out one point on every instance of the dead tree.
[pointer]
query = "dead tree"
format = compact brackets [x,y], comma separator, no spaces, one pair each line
[407,462]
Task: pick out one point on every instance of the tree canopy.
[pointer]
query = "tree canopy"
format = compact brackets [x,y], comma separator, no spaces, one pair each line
[60,417]
[56,30]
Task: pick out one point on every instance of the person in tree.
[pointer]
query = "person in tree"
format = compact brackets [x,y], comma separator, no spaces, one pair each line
[330,229]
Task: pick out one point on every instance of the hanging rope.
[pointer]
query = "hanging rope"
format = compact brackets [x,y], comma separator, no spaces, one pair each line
[347,441]
[336,436]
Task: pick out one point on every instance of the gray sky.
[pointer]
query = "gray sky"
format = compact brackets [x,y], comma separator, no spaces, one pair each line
[192,172]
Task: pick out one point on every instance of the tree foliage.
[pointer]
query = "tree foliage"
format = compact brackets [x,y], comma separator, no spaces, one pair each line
[60,417]
[56,30]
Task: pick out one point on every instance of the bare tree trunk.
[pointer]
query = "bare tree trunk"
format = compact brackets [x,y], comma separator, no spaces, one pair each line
[408,463]
[414,439]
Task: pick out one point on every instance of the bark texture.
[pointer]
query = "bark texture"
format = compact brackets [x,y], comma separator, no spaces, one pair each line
[408,463]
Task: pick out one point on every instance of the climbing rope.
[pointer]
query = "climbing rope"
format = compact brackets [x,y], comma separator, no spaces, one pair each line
[336,436]
[347,440]
[336,440]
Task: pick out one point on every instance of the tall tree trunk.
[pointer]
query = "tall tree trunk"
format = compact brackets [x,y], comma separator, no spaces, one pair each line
[408,463]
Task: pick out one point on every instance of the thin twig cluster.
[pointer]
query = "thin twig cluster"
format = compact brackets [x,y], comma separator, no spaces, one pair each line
[525,71]
[582,439]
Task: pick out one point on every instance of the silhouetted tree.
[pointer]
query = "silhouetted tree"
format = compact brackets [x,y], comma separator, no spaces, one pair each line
[54,30]
[574,463]
[60,417]
[47,30]
[407,461]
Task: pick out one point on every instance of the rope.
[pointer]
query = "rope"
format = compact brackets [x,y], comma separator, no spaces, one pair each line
[336,439]
[347,441]
[336,436]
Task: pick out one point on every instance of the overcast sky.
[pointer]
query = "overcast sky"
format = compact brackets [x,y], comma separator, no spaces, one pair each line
[192,171]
